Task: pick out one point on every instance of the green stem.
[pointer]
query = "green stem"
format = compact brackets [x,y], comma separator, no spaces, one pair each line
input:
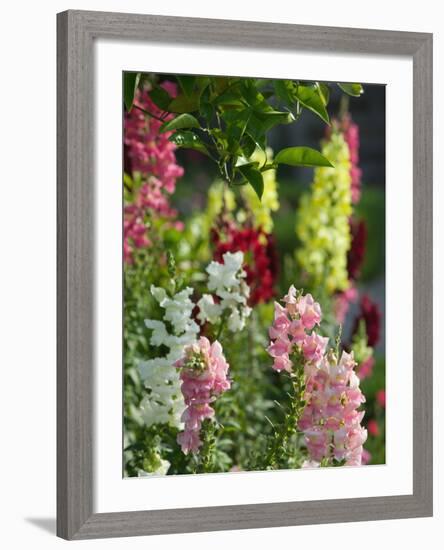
[280,451]
[206,455]
[222,325]
[152,115]
[344,105]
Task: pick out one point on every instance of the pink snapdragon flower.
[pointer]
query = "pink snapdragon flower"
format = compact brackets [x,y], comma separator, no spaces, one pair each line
[350,131]
[204,375]
[331,421]
[151,153]
[310,311]
[135,234]
[288,332]
[313,347]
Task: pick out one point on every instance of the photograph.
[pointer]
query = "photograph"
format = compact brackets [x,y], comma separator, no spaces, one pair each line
[253,265]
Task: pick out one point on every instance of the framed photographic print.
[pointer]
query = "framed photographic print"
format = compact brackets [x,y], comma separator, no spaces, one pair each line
[244,275]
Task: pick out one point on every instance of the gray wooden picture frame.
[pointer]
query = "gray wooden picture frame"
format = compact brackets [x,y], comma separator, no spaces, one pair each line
[76,32]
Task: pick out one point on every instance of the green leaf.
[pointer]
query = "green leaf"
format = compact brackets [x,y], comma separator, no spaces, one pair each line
[248,145]
[254,177]
[130,83]
[309,97]
[161,97]
[236,122]
[184,104]
[284,90]
[182,121]
[355,90]
[206,110]
[252,96]
[187,84]
[301,156]
[324,92]
[229,99]
[189,140]
[262,122]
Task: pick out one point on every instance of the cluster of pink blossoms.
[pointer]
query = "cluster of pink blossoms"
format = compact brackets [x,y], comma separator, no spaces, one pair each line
[152,155]
[134,230]
[330,420]
[350,131]
[204,375]
[289,330]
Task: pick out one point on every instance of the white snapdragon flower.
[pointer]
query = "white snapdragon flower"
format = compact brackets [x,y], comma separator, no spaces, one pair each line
[178,309]
[208,310]
[225,275]
[159,334]
[227,280]
[164,403]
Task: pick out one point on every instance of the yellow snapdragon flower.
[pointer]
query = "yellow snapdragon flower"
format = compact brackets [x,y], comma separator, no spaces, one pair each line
[322,222]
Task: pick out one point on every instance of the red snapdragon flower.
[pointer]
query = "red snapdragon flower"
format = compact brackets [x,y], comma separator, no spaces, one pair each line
[355,256]
[261,264]
[371,316]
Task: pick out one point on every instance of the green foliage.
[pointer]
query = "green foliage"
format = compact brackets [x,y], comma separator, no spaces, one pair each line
[228,118]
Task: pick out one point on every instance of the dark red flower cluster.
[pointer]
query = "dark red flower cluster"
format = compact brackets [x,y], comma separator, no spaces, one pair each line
[355,256]
[260,256]
[371,316]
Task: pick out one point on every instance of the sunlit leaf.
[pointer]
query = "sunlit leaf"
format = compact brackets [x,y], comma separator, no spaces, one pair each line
[284,90]
[354,90]
[180,122]
[310,98]
[187,139]
[324,92]
[301,156]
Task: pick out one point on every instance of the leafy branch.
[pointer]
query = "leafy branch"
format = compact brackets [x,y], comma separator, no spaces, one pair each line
[227,119]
